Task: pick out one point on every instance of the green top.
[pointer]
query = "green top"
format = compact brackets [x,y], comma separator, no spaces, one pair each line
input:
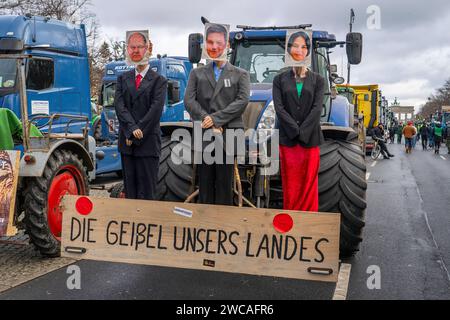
[438,131]
[299,88]
[10,128]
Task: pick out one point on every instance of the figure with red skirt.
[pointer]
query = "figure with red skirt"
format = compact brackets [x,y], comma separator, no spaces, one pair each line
[298,96]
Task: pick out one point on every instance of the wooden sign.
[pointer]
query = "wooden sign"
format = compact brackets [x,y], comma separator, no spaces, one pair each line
[266,242]
[9,175]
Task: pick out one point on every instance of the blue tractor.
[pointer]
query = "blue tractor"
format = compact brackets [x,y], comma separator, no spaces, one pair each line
[342,177]
[45,109]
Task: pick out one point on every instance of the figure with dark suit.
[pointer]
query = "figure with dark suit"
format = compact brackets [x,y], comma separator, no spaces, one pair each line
[217,95]
[139,101]
[298,98]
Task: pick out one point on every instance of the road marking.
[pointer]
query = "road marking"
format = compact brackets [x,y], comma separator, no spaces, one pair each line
[373,164]
[443,158]
[340,293]
[367,176]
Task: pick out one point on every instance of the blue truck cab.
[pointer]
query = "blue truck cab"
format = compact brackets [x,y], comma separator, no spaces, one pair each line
[57,70]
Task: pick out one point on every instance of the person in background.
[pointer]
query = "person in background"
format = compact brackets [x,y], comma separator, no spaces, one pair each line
[399,133]
[414,138]
[378,134]
[424,136]
[431,135]
[391,134]
[437,137]
[409,132]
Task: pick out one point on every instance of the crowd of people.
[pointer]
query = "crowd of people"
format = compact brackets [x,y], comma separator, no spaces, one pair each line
[431,134]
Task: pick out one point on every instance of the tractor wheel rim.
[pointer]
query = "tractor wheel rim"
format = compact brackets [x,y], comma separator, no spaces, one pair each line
[68,180]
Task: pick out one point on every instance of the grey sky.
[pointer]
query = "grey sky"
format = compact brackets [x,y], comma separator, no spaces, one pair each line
[409,56]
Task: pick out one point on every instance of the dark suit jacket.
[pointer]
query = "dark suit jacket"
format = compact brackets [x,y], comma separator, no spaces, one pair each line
[299,118]
[224,102]
[140,109]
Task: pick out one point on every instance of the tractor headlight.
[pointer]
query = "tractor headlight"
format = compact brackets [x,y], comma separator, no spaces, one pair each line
[266,124]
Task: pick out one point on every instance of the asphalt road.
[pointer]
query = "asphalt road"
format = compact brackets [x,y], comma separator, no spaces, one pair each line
[406,236]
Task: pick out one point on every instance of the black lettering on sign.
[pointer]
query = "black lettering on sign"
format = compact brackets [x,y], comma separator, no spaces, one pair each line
[190,239]
[132,234]
[209,240]
[303,248]
[90,231]
[233,253]
[175,237]
[140,237]
[263,245]
[75,223]
[150,235]
[222,239]
[289,255]
[247,250]
[320,252]
[277,246]
[160,239]
[199,240]
[108,233]
[123,231]
[83,231]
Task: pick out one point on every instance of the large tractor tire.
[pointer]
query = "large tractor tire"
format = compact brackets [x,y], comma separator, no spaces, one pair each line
[342,189]
[63,174]
[174,181]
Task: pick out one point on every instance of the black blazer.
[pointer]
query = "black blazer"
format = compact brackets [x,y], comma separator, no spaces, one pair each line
[140,109]
[299,118]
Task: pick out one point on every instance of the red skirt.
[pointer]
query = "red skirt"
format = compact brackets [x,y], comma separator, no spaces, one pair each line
[300,177]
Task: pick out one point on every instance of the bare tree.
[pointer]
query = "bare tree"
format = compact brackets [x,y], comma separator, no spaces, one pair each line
[437,100]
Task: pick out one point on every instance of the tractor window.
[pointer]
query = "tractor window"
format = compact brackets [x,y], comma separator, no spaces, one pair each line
[8,72]
[176,70]
[40,74]
[109,90]
[262,59]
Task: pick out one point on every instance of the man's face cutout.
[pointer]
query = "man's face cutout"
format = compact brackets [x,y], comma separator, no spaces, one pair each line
[137,47]
[215,44]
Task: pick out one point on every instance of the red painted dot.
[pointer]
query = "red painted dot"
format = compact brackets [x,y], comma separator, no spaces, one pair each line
[84,206]
[283,223]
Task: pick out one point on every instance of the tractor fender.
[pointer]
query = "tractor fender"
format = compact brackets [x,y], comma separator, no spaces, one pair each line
[336,132]
[168,127]
[36,169]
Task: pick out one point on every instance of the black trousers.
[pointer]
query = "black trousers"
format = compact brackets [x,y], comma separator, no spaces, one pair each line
[384,150]
[140,175]
[424,142]
[215,183]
